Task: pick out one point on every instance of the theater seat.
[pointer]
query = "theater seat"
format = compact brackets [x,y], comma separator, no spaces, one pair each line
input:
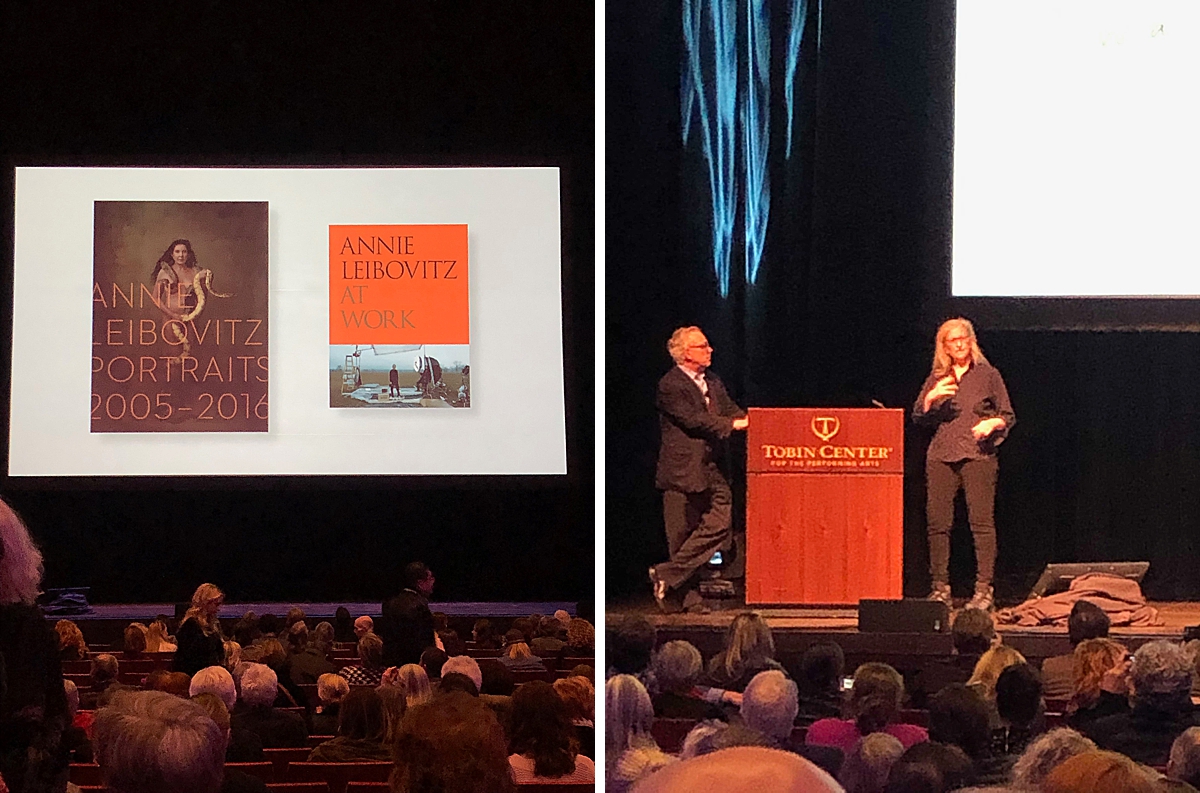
[337,775]
[669,733]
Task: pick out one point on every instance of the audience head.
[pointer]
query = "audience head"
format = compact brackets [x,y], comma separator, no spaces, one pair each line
[630,645]
[1161,671]
[748,644]
[343,624]
[273,654]
[456,681]
[363,625]
[740,769]
[370,651]
[331,688]
[1087,621]
[394,707]
[260,686]
[552,628]
[930,767]
[584,670]
[297,638]
[431,661]
[105,669]
[579,696]
[483,632]
[770,704]
[875,696]
[72,692]
[206,604]
[1184,763]
[1098,665]
[294,614]
[20,561]
[540,728]
[214,680]
[69,636]
[247,630]
[216,710]
[149,742]
[677,666]
[177,684]
[413,681]
[453,744]
[821,670]
[463,665]
[322,637]
[959,716]
[1098,772]
[563,616]
[361,715]
[233,654]
[135,639]
[866,767]
[498,680]
[1044,754]
[525,626]
[518,651]
[1018,694]
[419,577]
[581,634]
[988,669]
[156,636]
[628,713]
[973,631]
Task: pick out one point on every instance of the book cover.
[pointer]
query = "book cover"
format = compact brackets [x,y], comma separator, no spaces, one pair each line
[399,316]
[179,316]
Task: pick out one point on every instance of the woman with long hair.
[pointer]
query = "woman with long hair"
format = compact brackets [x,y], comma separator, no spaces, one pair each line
[873,706]
[541,739]
[1101,681]
[181,287]
[988,668]
[200,641]
[71,646]
[749,649]
[360,731]
[630,751]
[413,680]
[965,400]
[157,640]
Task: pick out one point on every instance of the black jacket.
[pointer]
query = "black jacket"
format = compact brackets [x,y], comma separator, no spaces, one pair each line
[406,628]
[690,429]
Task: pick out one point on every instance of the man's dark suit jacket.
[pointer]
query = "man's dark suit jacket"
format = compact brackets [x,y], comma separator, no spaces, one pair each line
[689,429]
[406,628]
[277,729]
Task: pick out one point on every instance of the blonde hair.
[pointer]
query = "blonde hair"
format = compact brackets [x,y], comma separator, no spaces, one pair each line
[1091,660]
[519,651]
[332,688]
[942,363]
[201,598]
[579,695]
[628,713]
[677,344]
[69,635]
[748,644]
[988,669]
[20,560]
[156,635]
[414,681]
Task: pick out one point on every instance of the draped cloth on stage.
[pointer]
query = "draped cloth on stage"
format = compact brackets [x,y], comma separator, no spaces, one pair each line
[1121,599]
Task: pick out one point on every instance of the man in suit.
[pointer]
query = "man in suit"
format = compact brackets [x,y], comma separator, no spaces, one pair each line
[406,625]
[694,413]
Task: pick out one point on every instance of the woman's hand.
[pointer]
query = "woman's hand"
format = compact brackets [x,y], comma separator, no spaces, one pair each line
[946,387]
[986,427]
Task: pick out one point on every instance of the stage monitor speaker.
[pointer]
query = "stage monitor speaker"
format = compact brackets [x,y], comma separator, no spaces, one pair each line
[1058,577]
[903,616]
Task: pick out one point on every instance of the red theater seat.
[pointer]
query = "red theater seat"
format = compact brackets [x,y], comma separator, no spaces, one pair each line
[669,733]
[337,775]
[281,758]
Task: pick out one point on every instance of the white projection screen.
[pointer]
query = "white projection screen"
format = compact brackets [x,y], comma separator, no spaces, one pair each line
[1076,155]
[478,389]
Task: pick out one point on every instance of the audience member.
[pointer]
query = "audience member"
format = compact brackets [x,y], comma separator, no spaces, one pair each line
[447,637]
[629,647]
[742,769]
[322,637]
[1098,772]
[987,672]
[241,746]
[1184,762]
[873,705]
[973,633]
[959,716]
[1019,705]
[484,635]
[1044,754]
[519,658]
[550,637]
[199,637]
[369,669]
[1086,621]
[331,690]
[394,707]
[542,740]
[452,682]
[294,614]
[1101,682]
[246,630]
[233,654]
[214,680]
[75,739]
[150,742]
[452,744]
[630,752]
[498,680]
[412,680]
[106,672]
[819,681]
[579,696]
[868,764]
[1161,685]
[584,670]
[526,625]
[269,627]
[343,625]
[276,728]
[931,767]
[464,665]
[749,649]
[71,645]
[362,626]
[432,660]
[305,660]
[134,640]
[677,667]
[406,626]
[360,731]
[581,637]
[177,684]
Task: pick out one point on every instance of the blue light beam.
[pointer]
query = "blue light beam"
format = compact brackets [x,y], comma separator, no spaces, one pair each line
[756,132]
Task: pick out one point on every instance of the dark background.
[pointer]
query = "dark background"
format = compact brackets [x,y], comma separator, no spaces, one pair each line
[302,84]
[1104,462]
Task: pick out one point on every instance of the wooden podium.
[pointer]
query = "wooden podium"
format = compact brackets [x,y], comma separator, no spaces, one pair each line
[824,505]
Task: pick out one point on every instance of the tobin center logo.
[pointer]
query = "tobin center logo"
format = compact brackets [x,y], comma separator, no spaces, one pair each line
[825,427]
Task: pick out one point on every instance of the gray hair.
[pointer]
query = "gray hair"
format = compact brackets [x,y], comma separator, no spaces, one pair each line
[72,692]
[867,766]
[1184,763]
[1045,753]
[1161,668]
[151,741]
[702,739]
[677,344]
[770,704]
[20,560]
[464,665]
[214,680]
[677,665]
[260,685]
[105,667]
[628,712]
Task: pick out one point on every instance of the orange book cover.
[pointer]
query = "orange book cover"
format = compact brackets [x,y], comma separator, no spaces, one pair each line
[399,316]
[179,316]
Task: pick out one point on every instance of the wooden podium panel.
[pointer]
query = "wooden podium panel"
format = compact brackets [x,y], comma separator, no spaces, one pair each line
[824,505]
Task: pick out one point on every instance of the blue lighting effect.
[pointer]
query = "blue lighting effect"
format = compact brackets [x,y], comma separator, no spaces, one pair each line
[756,131]
[795,36]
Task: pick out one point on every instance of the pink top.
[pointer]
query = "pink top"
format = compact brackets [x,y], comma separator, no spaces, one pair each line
[844,733]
